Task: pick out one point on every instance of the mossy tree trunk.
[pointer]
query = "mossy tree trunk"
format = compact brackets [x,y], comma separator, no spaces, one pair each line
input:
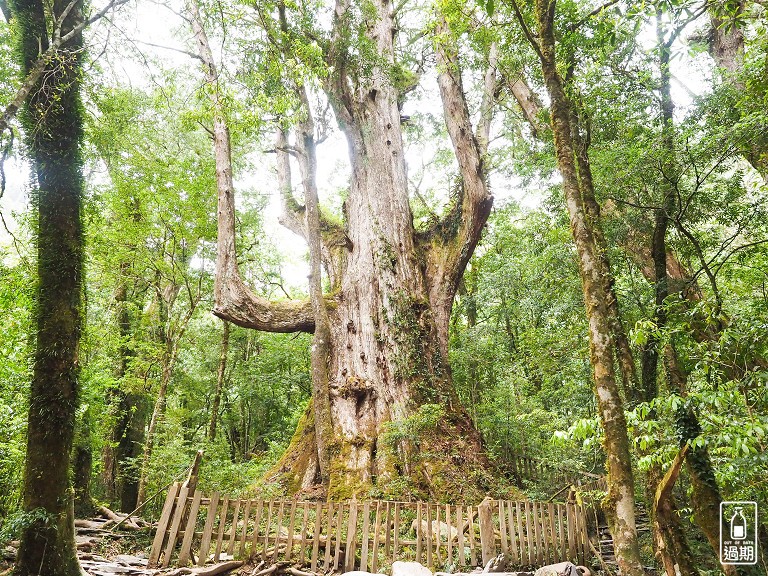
[120,455]
[573,163]
[53,122]
[392,287]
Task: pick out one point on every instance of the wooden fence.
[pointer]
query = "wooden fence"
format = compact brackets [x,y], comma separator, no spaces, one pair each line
[365,535]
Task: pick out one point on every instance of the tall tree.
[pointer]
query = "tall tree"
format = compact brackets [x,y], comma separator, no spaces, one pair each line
[571,140]
[392,287]
[53,122]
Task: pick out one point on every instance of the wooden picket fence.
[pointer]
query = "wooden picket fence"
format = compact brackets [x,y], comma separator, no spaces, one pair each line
[368,535]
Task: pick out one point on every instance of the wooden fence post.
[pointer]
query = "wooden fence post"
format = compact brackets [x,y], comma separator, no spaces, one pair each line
[485,520]
[162,525]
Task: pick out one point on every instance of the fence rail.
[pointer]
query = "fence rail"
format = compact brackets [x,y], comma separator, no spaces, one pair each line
[368,535]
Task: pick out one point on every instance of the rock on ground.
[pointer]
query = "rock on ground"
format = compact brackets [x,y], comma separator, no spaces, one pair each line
[560,569]
[409,569]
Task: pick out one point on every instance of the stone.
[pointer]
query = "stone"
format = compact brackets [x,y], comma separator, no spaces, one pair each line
[436,528]
[400,568]
[127,560]
[559,569]
[498,564]
[362,573]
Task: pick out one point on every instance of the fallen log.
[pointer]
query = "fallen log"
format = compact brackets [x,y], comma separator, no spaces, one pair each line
[214,570]
[122,520]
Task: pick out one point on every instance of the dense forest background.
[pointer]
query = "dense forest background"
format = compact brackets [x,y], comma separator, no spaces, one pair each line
[669,108]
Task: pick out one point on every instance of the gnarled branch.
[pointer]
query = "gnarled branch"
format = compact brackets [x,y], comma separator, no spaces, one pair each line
[234,301]
[529,103]
[450,251]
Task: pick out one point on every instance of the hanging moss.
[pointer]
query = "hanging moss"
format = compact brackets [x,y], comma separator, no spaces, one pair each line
[414,360]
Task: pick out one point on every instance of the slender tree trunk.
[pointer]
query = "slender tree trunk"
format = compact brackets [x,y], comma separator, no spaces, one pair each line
[594,271]
[53,120]
[622,349]
[473,374]
[119,458]
[82,467]
[219,382]
[109,458]
[321,342]
[158,413]
[705,498]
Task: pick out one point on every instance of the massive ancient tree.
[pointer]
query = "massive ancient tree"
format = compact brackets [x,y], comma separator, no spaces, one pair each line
[52,118]
[392,286]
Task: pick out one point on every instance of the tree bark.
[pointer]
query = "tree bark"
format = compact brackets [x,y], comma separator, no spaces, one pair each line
[726,46]
[321,339]
[531,106]
[393,290]
[220,376]
[53,121]
[669,538]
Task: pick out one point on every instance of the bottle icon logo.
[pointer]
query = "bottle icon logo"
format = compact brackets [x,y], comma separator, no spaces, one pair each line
[738,525]
[738,533]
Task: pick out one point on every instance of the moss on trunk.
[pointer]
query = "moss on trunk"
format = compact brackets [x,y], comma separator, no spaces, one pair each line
[53,124]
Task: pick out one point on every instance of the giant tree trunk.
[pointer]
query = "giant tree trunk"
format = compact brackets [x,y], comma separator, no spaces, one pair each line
[388,318]
[54,127]
[726,47]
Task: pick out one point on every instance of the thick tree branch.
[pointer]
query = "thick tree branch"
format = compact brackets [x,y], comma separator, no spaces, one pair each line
[292,213]
[527,31]
[337,82]
[483,132]
[476,201]
[234,301]
[529,102]
[454,241]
